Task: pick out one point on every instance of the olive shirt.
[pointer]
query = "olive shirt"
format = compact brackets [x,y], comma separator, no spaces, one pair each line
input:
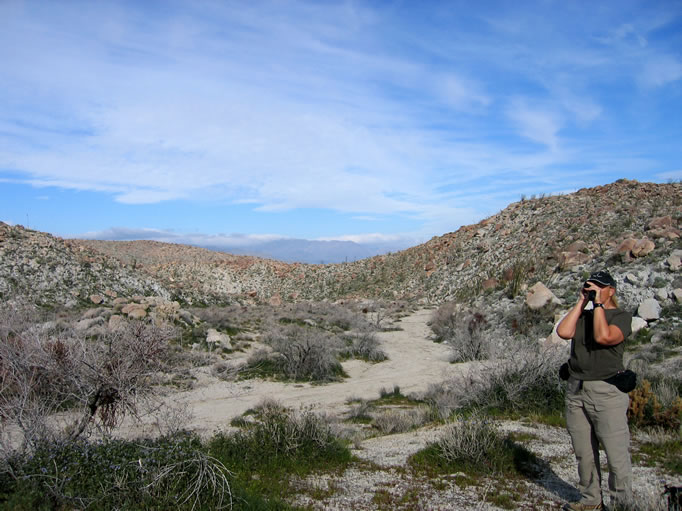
[593,361]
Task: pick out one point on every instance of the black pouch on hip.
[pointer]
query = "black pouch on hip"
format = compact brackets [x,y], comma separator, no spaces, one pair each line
[563,371]
[625,381]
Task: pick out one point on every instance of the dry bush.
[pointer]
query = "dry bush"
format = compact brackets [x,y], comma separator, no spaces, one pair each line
[646,410]
[469,440]
[365,346]
[526,381]
[399,421]
[464,331]
[93,382]
[305,353]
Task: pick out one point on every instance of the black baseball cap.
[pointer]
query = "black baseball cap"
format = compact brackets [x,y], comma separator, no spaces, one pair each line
[603,278]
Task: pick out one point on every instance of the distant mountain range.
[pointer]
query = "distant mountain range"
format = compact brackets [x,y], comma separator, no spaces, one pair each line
[310,251]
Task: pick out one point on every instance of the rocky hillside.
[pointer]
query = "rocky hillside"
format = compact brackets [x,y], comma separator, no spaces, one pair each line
[625,225]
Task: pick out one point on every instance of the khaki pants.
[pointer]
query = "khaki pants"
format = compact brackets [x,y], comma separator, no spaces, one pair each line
[596,412]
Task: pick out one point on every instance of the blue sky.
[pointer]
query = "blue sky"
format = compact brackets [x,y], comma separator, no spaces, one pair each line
[371,121]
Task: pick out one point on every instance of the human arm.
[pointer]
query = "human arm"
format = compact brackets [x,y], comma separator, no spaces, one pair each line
[566,327]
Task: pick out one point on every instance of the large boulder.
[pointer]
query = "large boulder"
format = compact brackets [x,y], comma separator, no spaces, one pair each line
[135,310]
[675,260]
[637,324]
[643,248]
[649,309]
[661,222]
[539,295]
[626,246]
[570,259]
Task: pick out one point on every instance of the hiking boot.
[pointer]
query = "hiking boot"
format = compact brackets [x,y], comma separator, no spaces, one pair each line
[579,506]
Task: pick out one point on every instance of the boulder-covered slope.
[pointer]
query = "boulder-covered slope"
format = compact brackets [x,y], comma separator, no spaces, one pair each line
[626,222]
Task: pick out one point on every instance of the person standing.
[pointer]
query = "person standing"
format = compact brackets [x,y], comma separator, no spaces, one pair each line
[596,411]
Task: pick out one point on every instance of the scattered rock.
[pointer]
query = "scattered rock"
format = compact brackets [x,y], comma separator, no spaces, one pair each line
[539,295]
[649,309]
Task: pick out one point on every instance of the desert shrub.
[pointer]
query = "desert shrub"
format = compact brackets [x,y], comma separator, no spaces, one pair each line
[532,323]
[363,345]
[360,412]
[527,382]
[277,444]
[98,381]
[166,473]
[299,353]
[646,409]
[473,444]
[330,315]
[464,331]
[400,420]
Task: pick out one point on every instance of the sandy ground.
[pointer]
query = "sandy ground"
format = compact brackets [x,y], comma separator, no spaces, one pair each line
[414,362]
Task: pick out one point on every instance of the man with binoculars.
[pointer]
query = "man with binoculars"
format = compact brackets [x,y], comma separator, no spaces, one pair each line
[596,409]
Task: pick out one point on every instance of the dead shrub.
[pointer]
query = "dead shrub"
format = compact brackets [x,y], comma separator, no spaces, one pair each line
[400,420]
[464,331]
[365,346]
[527,381]
[301,353]
[92,382]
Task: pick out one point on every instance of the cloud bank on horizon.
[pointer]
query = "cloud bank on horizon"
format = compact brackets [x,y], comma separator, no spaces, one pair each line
[347,120]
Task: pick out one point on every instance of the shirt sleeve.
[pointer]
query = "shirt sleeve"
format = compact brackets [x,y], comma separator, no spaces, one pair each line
[623,320]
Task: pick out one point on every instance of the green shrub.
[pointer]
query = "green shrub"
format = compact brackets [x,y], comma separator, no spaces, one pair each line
[276,445]
[280,435]
[167,473]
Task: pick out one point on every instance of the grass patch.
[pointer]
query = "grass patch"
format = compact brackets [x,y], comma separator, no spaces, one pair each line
[276,446]
[666,454]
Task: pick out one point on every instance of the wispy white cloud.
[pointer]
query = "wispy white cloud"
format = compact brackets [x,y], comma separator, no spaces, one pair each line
[407,112]
[660,70]
[536,123]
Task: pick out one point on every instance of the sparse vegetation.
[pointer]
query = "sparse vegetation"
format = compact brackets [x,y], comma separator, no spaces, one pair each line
[473,444]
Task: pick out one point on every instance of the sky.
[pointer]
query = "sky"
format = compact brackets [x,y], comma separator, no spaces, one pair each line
[218,122]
